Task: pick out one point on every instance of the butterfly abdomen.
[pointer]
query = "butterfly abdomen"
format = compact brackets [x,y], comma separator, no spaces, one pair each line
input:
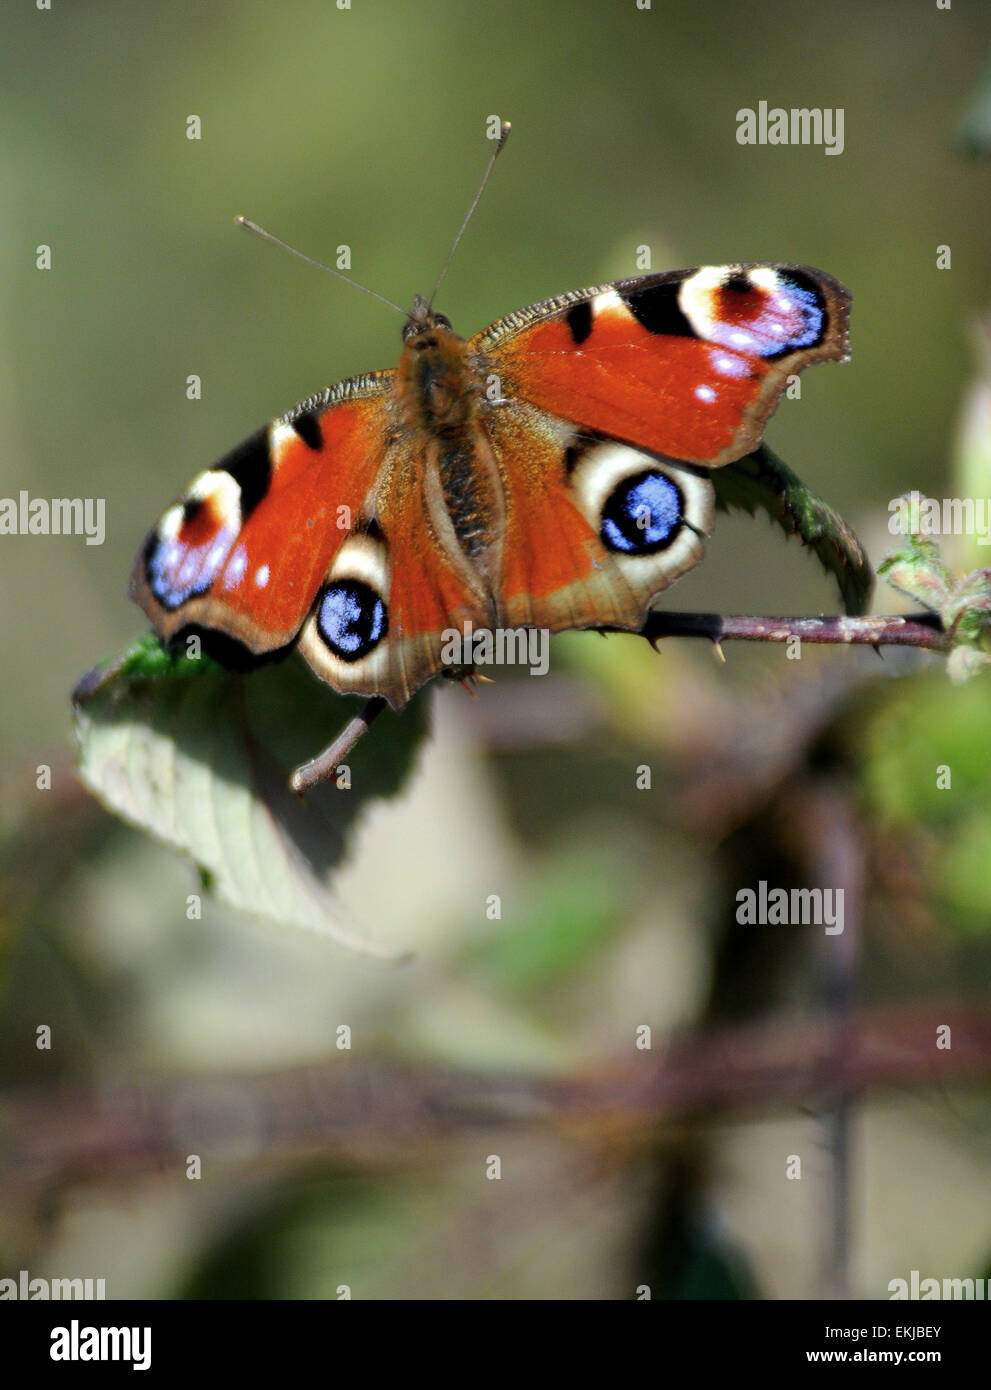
[438,391]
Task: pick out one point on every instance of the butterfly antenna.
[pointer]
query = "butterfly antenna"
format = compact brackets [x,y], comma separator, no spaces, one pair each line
[504,130]
[276,241]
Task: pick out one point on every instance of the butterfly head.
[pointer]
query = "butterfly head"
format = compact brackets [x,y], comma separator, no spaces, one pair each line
[432,378]
[419,328]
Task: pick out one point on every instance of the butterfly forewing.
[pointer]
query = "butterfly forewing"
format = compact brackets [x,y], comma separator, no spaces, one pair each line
[246,548]
[688,364]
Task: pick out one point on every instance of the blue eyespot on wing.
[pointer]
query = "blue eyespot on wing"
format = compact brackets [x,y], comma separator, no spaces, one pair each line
[643,514]
[351,619]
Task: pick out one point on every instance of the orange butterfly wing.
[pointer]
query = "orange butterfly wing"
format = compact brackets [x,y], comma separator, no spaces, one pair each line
[687,364]
[565,562]
[400,580]
[611,405]
[246,548]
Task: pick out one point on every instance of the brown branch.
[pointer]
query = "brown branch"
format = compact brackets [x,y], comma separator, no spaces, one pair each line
[916,630]
[380,1112]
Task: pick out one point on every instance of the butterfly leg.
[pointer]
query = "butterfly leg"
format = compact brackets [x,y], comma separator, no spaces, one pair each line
[323,766]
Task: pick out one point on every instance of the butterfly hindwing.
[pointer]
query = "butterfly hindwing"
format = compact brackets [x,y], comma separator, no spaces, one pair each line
[393,588]
[688,364]
[594,528]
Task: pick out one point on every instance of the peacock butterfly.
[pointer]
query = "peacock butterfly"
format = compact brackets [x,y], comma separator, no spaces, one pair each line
[551,472]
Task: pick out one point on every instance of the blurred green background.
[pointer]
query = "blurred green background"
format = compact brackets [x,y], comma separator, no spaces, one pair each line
[364,127]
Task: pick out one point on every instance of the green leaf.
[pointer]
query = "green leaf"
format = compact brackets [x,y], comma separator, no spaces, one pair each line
[967,612]
[200,757]
[963,604]
[917,570]
[148,658]
[762,480]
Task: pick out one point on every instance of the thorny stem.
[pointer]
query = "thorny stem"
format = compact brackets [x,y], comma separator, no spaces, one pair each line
[915,630]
